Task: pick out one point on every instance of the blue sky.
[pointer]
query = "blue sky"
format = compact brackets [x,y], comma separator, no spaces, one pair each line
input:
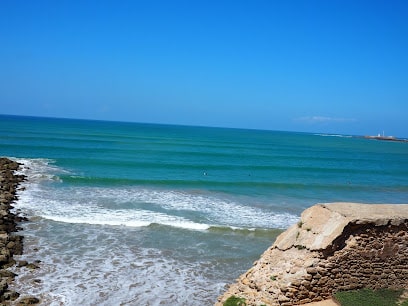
[313,66]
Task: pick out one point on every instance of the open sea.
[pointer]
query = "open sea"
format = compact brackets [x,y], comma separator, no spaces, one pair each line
[146,214]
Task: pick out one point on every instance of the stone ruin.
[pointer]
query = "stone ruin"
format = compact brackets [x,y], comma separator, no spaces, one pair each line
[334,247]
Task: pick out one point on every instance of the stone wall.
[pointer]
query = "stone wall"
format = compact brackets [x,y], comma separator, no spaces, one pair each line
[334,247]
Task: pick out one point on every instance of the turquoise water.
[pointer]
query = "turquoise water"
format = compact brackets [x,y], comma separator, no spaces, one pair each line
[143,214]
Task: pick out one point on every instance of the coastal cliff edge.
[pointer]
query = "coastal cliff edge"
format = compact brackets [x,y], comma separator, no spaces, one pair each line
[334,247]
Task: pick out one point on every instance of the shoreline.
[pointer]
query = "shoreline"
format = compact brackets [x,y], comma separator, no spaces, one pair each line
[10,243]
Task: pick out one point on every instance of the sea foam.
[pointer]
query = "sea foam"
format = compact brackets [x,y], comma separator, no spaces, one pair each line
[136,206]
[95,267]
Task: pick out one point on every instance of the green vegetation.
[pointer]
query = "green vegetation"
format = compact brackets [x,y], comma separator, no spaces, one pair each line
[300,224]
[235,301]
[273,277]
[369,297]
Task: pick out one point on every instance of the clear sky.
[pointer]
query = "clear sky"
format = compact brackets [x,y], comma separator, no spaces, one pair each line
[315,66]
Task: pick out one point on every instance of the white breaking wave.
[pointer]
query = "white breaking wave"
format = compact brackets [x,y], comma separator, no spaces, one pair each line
[124,218]
[39,169]
[135,206]
[334,135]
[93,265]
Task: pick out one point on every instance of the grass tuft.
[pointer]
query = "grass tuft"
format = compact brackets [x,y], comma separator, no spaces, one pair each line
[235,301]
[369,297]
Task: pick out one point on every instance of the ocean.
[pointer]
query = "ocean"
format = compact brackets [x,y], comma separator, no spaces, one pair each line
[147,214]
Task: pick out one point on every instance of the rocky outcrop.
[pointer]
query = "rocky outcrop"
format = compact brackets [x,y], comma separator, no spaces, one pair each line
[10,243]
[334,247]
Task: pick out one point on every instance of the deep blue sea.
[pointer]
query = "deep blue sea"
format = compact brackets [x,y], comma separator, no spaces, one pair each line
[146,214]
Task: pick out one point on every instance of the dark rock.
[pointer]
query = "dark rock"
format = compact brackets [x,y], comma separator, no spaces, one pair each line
[10,295]
[7,274]
[22,263]
[30,300]
[10,244]
[10,263]
[32,266]
[4,259]
[3,285]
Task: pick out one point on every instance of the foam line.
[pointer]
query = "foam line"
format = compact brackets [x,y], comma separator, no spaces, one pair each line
[137,206]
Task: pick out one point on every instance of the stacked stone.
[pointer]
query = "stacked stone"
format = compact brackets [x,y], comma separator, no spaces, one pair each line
[377,257]
[10,243]
[373,257]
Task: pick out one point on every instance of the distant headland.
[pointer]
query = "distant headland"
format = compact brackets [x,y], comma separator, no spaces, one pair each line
[387,138]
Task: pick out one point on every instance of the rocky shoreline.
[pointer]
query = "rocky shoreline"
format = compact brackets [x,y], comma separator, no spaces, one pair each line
[10,243]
